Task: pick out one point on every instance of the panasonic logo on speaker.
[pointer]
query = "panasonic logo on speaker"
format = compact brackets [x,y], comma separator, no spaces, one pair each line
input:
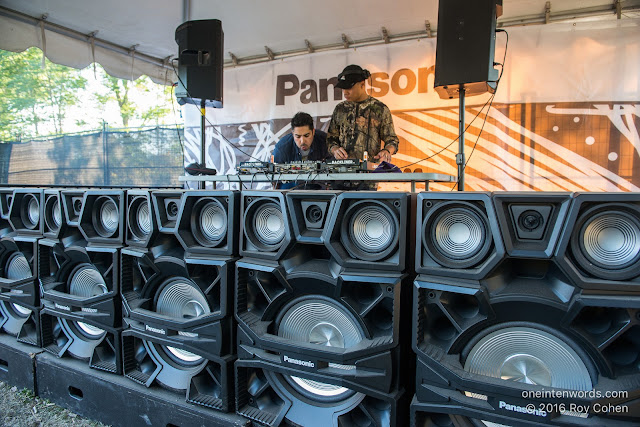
[62,307]
[308,364]
[156,330]
[529,409]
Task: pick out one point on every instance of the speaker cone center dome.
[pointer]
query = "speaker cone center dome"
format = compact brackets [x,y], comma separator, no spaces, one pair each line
[459,233]
[326,334]
[526,369]
[611,239]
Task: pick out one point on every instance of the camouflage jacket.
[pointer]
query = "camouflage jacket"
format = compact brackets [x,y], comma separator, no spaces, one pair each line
[362,126]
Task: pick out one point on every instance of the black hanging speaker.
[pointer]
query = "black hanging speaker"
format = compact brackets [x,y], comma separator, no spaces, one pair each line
[465,47]
[200,66]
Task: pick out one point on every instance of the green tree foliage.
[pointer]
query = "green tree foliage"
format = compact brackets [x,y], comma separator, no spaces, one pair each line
[31,95]
[37,101]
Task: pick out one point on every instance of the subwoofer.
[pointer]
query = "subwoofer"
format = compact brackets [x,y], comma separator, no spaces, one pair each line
[20,296]
[79,280]
[523,326]
[176,298]
[319,315]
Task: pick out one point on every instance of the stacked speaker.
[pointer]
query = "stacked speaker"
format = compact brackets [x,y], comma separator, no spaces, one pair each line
[177,281]
[21,226]
[526,309]
[78,273]
[319,304]
[318,308]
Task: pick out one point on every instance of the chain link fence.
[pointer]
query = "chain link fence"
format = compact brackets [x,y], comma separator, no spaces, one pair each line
[143,157]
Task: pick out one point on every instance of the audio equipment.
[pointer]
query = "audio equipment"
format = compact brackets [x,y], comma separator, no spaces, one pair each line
[494,321]
[79,276]
[176,278]
[200,61]
[319,323]
[465,47]
[19,294]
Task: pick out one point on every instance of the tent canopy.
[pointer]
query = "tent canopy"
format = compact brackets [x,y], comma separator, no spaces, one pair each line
[134,38]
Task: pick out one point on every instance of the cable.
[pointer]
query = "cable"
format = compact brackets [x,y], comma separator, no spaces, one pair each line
[205,117]
[173,106]
[453,141]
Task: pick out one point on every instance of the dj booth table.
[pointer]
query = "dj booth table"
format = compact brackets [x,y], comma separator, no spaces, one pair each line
[412,177]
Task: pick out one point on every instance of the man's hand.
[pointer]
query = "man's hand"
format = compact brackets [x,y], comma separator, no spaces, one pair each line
[383,156]
[340,153]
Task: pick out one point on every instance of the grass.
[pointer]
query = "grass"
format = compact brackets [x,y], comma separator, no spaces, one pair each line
[22,408]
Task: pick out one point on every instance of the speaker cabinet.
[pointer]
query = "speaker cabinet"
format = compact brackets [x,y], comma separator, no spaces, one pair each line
[176,290]
[465,47]
[79,276]
[19,293]
[320,292]
[526,324]
[201,62]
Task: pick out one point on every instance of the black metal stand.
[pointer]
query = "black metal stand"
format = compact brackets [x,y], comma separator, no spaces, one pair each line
[460,156]
[203,155]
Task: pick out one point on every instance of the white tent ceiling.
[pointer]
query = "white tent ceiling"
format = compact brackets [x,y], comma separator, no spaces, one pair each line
[283,26]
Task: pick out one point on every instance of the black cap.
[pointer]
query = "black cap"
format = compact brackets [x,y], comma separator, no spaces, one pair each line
[351,75]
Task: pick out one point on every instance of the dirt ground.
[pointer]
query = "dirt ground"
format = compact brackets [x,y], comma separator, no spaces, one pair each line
[21,408]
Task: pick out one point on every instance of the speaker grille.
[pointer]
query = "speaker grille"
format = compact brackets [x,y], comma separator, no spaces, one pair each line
[369,230]
[209,222]
[456,235]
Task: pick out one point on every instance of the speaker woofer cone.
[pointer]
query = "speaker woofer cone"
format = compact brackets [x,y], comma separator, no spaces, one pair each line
[369,230]
[86,281]
[265,226]
[180,298]
[209,222]
[531,356]
[53,214]
[607,242]
[30,211]
[139,218]
[457,235]
[106,217]
[318,320]
[18,267]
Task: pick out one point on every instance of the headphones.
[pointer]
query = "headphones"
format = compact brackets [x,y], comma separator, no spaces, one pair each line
[364,73]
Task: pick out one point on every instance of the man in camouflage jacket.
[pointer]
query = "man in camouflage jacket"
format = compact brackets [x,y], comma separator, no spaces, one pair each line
[361,123]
